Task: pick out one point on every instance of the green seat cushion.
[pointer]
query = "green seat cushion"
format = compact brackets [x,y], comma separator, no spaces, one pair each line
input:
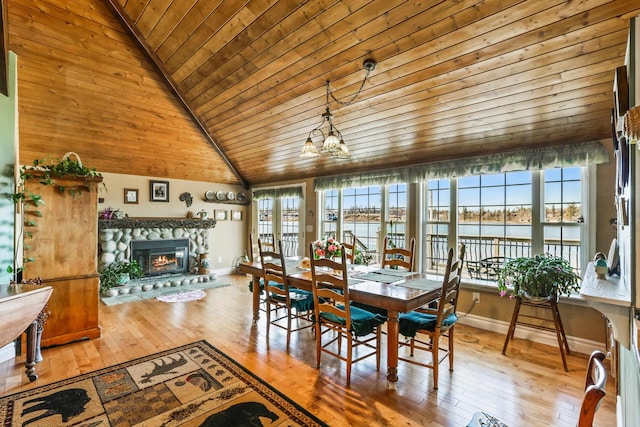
[363,322]
[371,308]
[411,323]
[301,300]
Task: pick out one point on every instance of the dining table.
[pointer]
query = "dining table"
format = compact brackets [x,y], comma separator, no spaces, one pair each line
[396,291]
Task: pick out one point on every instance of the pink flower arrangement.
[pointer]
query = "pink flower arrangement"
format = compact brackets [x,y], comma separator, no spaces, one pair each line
[326,248]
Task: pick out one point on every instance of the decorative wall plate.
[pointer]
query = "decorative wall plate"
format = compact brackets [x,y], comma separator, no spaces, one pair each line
[231,195]
[241,197]
[220,195]
[210,195]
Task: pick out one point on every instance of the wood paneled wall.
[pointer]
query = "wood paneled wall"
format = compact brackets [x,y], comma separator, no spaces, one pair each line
[86,86]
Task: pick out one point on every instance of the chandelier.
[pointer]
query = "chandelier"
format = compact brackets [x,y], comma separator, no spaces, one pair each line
[333,142]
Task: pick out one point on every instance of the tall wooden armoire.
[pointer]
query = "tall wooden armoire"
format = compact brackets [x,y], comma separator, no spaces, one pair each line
[62,243]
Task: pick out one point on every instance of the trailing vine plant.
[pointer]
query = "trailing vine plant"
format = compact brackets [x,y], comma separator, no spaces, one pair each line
[45,171]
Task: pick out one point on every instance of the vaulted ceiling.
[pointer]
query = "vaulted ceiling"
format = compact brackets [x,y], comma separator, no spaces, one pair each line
[231,89]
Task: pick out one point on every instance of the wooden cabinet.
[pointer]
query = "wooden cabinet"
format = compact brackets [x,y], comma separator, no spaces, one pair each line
[63,245]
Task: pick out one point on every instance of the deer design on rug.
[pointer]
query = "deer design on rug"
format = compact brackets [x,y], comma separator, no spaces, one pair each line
[163,368]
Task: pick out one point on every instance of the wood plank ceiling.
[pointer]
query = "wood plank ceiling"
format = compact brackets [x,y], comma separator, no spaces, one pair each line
[453,78]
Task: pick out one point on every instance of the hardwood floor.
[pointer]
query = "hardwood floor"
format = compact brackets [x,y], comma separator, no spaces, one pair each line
[528,387]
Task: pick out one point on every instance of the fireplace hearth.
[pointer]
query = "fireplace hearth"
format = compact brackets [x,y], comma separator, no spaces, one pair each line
[161,257]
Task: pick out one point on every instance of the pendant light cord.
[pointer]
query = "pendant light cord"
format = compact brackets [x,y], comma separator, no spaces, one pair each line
[369,65]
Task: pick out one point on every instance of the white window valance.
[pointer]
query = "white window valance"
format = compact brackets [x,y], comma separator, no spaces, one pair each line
[582,154]
[278,193]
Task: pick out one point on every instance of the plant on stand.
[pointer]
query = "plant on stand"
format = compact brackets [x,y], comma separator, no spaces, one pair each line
[539,276]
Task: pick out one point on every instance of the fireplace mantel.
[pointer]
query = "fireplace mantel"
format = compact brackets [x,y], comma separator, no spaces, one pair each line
[105,224]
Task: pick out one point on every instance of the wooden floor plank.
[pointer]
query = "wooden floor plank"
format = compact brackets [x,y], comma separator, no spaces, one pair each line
[528,386]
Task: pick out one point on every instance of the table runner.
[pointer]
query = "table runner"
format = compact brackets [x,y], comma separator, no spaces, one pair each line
[379,277]
[396,273]
[422,284]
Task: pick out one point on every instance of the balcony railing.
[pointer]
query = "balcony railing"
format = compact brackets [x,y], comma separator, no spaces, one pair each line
[483,254]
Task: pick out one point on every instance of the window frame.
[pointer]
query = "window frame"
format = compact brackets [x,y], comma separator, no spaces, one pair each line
[587,228]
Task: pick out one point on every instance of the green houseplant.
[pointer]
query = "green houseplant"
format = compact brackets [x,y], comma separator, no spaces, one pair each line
[538,276]
[119,273]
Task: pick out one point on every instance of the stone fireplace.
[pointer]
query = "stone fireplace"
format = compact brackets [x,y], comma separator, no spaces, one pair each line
[161,246]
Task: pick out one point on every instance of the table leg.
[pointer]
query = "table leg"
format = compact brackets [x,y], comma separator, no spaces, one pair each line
[256,299]
[392,349]
[30,364]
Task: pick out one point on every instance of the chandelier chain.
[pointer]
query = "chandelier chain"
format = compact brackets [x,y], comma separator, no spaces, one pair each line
[353,98]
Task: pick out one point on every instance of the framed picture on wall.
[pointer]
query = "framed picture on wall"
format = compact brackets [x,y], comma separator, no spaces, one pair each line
[236,215]
[131,195]
[159,191]
[220,215]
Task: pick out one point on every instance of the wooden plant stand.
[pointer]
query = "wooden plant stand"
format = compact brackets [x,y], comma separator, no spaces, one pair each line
[538,322]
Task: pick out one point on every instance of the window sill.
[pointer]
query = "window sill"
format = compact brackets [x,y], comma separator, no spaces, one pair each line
[473,285]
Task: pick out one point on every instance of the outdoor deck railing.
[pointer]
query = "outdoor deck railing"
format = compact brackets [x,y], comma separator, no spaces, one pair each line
[478,250]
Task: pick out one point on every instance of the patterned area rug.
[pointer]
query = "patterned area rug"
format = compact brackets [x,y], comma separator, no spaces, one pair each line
[183,297]
[193,385]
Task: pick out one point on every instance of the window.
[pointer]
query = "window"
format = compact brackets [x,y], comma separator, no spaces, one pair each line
[361,215]
[494,219]
[562,216]
[265,217]
[290,225]
[501,216]
[360,211]
[437,225]
[329,221]
[396,214]
[280,217]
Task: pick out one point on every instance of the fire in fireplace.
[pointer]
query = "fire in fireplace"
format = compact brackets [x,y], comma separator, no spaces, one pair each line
[158,257]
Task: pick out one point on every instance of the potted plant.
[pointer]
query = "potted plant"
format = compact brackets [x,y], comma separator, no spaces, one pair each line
[539,276]
[118,274]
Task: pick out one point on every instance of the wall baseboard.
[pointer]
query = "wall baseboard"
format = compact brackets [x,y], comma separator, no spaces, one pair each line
[576,344]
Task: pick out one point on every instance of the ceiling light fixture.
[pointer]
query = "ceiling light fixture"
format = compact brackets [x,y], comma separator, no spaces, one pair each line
[333,143]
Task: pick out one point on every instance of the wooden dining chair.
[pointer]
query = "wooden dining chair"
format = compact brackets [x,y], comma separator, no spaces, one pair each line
[254,256]
[393,257]
[594,388]
[437,322]
[594,391]
[336,320]
[268,243]
[351,249]
[297,303]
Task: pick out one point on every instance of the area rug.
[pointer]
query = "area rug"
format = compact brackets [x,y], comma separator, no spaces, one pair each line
[192,385]
[183,296]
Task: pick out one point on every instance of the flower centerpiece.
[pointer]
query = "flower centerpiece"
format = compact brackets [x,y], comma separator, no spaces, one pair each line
[538,276]
[326,248]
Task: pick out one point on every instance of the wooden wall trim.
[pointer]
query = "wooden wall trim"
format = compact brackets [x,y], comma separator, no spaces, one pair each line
[131,27]
[4,49]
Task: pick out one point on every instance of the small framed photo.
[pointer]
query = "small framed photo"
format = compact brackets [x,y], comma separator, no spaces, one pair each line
[159,191]
[236,215]
[131,195]
[220,215]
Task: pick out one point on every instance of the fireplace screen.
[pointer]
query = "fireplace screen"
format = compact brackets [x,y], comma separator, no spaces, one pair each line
[158,257]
